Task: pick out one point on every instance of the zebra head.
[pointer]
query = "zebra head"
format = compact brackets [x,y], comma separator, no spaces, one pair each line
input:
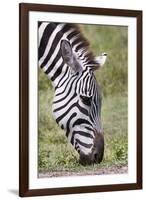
[77,105]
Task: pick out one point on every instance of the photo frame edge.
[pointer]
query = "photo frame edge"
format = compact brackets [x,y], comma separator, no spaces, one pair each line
[24,191]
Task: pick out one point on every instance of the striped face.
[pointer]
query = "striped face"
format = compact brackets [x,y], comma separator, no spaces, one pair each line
[77,107]
[64,56]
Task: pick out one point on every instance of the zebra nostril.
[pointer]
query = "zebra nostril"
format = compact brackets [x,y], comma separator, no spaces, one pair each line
[95,157]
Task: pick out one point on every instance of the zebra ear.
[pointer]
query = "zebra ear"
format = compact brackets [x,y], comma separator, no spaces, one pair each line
[66,51]
[68,56]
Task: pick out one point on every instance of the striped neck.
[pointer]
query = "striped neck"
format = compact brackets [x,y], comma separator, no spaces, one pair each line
[50,59]
[49,53]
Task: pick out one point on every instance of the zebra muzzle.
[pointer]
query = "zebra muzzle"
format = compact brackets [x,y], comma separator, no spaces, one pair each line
[97,153]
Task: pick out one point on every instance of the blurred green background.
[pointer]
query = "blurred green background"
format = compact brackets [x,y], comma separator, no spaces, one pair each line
[55,153]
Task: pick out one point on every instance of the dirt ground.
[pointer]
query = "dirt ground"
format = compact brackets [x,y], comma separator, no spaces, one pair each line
[109,170]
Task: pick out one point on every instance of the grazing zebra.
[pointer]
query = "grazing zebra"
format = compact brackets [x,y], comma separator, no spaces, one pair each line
[65,57]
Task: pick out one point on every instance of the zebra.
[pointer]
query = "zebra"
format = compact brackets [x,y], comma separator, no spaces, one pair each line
[65,57]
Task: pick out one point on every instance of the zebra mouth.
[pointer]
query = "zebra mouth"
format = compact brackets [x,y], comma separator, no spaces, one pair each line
[89,159]
[85,159]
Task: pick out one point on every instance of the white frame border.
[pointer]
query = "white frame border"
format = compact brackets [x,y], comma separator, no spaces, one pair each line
[38,183]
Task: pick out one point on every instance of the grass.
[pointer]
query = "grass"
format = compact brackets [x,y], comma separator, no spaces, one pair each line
[55,153]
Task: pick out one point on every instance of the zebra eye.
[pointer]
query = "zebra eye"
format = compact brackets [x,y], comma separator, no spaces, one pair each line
[86,100]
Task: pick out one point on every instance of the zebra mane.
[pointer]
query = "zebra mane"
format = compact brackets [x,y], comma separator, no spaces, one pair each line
[70,32]
[84,45]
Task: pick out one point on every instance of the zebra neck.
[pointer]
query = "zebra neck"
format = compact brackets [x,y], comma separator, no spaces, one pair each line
[50,58]
[58,73]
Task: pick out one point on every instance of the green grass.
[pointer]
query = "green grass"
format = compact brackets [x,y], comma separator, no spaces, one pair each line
[55,153]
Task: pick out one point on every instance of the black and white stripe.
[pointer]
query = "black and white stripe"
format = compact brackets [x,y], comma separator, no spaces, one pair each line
[64,56]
